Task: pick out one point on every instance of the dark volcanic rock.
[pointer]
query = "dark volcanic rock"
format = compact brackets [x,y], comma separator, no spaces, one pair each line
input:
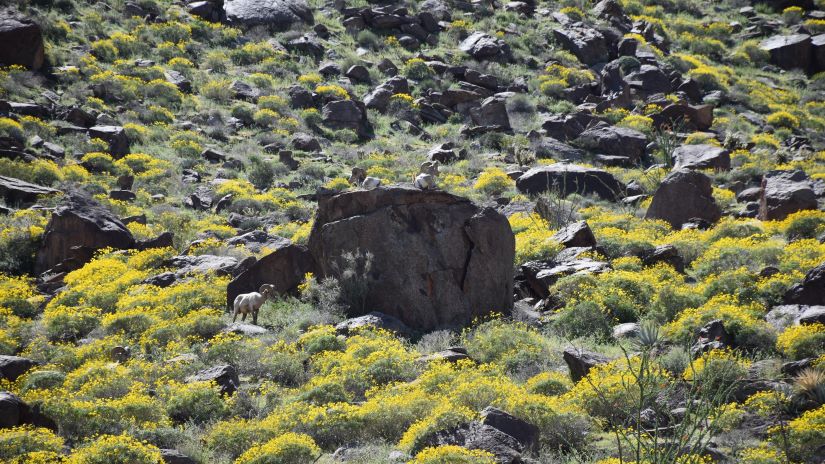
[224,375]
[570,178]
[581,361]
[684,195]
[12,367]
[84,224]
[614,141]
[439,260]
[21,41]
[373,319]
[701,157]
[16,192]
[588,44]
[277,14]
[577,234]
[810,291]
[789,51]
[284,268]
[784,193]
[115,136]
[482,46]
[347,114]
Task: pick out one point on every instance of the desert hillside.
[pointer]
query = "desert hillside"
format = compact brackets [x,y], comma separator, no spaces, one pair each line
[412,231]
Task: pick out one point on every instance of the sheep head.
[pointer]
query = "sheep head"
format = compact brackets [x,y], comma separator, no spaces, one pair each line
[267,290]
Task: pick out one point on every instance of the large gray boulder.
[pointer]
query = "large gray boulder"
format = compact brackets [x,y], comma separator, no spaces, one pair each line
[784,193]
[439,260]
[810,291]
[277,14]
[684,195]
[789,51]
[115,136]
[701,157]
[21,41]
[16,192]
[76,227]
[12,367]
[492,113]
[567,179]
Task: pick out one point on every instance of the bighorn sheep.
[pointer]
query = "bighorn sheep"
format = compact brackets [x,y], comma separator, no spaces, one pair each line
[426,179]
[246,303]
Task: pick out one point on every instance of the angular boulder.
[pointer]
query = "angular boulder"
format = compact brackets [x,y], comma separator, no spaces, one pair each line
[78,226]
[347,114]
[567,179]
[438,259]
[225,376]
[789,51]
[277,14]
[376,320]
[12,367]
[577,234]
[284,268]
[16,192]
[588,44]
[492,113]
[581,361]
[115,136]
[810,291]
[684,195]
[614,141]
[21,42]
[701,157]
[482,46]
[784,193]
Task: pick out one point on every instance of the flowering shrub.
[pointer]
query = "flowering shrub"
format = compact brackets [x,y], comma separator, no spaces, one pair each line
[289,448]
[493,181]
[110,449]
[27,444]
[802,341]
[452,454]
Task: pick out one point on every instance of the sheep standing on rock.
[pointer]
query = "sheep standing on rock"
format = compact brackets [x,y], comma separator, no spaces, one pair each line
[246,303]
[428,173]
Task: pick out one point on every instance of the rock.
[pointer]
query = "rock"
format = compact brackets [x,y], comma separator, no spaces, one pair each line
[810,291]
[577,234]
[794,368]
[482,46]
[115,136]
[122,195]
[588,44]
[614,141]
[285,268]
[492,113]
[812,315]
[712,336]
[305,142]
[12,367]
[749,194]
[300,97]
[171,456]
[649,80]
[701,157]
[242,328]
[9,410]
[450,355]
[200,199]
[526,433]
[503,447]
[347,114]
[213,156]
[206,10]
[21,41]
[684,195]
[667,254]
[784,193]
[19,193]
[446,153]
[358,73]
[276,14]
[680,115]
[789,51]
[162,280]
[14,412]
[626,330]
[188,265]
[178,80]
[540,276]
[818,53]
[306,45]
[439,260]
[164,240]
[570,178]
[548,147]
[77,224]
[225,376]
[581,361]
[258,239]
[374,319]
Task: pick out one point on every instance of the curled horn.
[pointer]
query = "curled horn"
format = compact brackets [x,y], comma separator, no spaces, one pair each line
[267,288]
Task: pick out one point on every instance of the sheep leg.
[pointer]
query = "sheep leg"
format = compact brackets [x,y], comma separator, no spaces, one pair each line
[243,318]
[234,316]
[255,317]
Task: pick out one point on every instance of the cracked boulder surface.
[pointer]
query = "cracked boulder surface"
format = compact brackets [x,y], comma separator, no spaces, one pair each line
[439,260]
